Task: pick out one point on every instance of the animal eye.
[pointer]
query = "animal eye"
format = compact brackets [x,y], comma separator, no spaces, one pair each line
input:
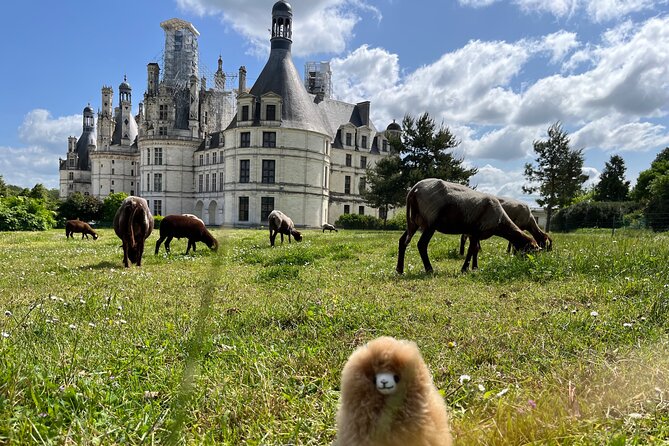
[397,378]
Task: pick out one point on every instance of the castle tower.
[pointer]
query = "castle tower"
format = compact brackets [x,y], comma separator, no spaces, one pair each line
[181,52]
[125,104]
[193,106]
[153,76]
[282,25]
[105,119]
[219,76]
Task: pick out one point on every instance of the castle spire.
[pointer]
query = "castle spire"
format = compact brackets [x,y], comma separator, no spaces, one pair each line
[282,25]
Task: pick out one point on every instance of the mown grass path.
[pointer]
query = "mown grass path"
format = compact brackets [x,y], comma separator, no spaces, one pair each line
[246,346]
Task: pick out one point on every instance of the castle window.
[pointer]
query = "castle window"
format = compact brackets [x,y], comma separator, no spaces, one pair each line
[384,145]
[200,184]
[266,206]
[269,139]
[112,171]
[245,112]
[348,160]
[268,171]
[220,186]
[201,160]
[158,182]
[220,156]
[245,139]
[363,184]
[206,183]
[157,207]
[271,112]
[363,162]
[158,156]
[348,139]
[244,171]
[361,210]
[70,176]
[213,182]
[132,174]
[148,156]
[162,131]
[205,118]
[162,112]
[347,209]
[347,184]
[148,182]
[213,158]
[206,159]
[363,142]
[243,208]
[383,213]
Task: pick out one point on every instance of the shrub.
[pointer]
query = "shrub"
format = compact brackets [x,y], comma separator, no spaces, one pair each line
[83,207]
[111,204]
[25,214]
[592,215]
[357,221]
[398,222]
[157,219]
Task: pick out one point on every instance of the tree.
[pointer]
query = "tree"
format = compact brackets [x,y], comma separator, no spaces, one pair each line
[83,207]
[612,185]
[111,204]
[422,151]
[385,186]
[39,192]
[652,190]
[558,176]
[659,167]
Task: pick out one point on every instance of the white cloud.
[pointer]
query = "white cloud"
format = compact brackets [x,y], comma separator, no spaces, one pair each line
[46,140]
[597,11]
[39,127]
[502,183]
[616,134]
[559,44]
[322,26]
[365,72]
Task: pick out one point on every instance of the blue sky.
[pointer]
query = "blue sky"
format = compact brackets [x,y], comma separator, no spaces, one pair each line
[498,73]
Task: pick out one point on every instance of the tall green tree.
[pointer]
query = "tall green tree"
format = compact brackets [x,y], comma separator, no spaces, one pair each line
[659,167]
[424,150]
[83,207]
[652,190]
[3,187]
[612,185]
[110,205]
[558,175]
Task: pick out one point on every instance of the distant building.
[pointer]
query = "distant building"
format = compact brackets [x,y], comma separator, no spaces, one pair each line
[230,157]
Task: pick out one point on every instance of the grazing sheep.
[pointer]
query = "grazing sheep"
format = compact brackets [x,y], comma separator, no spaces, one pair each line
[185,226]
[450,208]
[133,224]
[72,226]
[193,216]
[280,223]
[388,398]
[329,227]
[520,213]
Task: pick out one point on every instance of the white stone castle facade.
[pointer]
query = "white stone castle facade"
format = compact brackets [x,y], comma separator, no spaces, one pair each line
[229,156]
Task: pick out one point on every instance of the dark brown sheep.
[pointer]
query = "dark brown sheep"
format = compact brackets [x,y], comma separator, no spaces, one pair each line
[133,224]
[520,213]
[450,208]
[280,223]
[72,226]
[185,226]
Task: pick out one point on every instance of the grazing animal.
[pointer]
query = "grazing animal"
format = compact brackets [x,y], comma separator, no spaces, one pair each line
[520,213]
[280,223]
[72,226]
[185,226]
[450,208]
[193,216]
[329,227]
[133,224]
[388,398]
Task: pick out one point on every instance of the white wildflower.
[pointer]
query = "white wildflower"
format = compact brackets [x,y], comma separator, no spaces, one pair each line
[594,314]
[72,326]
[481,388]
[91,324]
[627,325]
[502,392]
[5,334]
[464,379]
[8,313]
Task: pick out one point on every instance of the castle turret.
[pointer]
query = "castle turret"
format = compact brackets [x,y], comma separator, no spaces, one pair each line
[153,76]
[219,76]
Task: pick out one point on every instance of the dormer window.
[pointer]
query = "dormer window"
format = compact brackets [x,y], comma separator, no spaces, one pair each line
[245,113]
[271,112]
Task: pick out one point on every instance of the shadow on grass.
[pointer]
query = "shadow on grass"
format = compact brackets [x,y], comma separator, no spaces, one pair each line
[104,265]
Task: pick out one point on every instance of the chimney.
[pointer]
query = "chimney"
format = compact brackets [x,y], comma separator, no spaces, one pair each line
[363,108]
[242,79]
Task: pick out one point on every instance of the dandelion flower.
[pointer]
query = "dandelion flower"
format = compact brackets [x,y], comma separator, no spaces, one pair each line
[452,344]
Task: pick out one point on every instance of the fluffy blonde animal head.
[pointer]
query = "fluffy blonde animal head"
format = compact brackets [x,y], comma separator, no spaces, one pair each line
[388,398]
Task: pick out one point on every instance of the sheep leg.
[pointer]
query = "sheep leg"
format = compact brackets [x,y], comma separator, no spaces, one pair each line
[125,254]
[289,237]
[167,244]
[422,248]
[140,251]
[472,255]
[160,240]
[190,243]
[282,238]
[508,248]
[405,239]
[272,237]
[463,241]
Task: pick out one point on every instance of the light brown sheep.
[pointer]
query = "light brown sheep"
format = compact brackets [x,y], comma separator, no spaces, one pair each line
[388,398]
[185,226]
[450,208]
[280,223]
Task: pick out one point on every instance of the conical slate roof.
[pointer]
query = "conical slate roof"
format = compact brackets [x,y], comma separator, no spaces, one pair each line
[281,77]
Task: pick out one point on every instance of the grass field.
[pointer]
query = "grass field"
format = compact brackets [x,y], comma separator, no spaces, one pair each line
[246,346]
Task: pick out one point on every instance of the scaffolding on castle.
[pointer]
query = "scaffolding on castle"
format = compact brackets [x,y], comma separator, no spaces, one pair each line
[318,78]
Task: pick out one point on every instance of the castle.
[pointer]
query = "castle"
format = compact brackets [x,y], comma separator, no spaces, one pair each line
[230,156]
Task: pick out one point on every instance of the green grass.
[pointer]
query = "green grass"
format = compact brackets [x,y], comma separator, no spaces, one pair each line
[246,346]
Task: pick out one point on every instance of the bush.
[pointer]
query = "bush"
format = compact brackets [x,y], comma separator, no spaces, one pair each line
[25,214]
[592,215]
[398,222]
[83,207]
[157,219]
[357,221]
[111,204]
